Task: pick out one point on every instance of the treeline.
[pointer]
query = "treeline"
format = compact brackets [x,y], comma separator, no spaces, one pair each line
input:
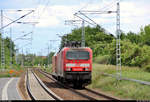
[18,60]
[135,47]
[34,60]
[8,44]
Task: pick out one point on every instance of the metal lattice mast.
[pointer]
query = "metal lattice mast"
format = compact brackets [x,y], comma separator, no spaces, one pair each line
[118,50]
[11,48]
[83,35]
[16,55]
[50,49]
[48,57]
[22,62]
[2,44]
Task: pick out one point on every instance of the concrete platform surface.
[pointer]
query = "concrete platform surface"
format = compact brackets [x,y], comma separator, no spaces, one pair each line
[8,89]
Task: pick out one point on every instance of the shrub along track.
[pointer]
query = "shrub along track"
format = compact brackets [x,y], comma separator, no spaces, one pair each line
[68,93]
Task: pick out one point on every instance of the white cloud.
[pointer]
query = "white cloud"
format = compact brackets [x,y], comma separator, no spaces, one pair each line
[54,15]
[133,16]
[131,13]
[57,14]
[48,21]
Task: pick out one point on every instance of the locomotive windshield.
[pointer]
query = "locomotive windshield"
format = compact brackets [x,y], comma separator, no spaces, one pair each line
[77,55]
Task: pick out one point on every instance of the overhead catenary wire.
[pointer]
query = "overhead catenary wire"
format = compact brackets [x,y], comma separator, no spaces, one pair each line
[16,20]
[44,8]
[36,8]
[86,5]
[105,8]
[10,24]
[33,23]
[83,19]
[108,6]
[118,47]
[22,36]
[93,22]
[82,12]
[88,17]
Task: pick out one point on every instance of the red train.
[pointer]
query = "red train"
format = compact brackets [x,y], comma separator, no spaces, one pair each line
[73,66]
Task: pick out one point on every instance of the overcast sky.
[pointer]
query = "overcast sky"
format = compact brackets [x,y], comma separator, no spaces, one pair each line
[51,15]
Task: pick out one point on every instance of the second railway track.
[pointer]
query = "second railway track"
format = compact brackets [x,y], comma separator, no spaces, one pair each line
[84,94]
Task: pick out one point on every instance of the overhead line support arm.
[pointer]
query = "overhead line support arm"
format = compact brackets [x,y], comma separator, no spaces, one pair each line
[16,20]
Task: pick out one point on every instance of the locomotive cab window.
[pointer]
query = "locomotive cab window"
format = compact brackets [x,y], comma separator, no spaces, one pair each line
[77,55]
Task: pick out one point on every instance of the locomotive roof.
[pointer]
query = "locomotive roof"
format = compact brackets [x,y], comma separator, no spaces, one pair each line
[71,48]
[74,48]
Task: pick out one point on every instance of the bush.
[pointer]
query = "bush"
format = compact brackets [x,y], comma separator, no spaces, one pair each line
[103,59]
[147,68]
[131,54]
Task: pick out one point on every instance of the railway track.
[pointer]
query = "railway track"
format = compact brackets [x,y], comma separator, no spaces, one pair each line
[86,93]
[36,88]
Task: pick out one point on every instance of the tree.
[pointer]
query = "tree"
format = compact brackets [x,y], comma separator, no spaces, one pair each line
[145,33]
[8,44]
[95,38]
[134,38]
[135,47]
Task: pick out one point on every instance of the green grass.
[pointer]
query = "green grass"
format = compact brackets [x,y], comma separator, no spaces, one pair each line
[4,74]
[123,89]
[41,75]
[14,71]
[48,69]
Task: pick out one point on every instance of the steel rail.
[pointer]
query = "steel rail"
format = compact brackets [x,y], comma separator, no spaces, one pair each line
[28,86]
[49,92]
[72,90]
[79,93]
[46,89]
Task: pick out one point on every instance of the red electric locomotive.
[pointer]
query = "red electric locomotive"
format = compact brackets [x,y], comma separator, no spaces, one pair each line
[73,65]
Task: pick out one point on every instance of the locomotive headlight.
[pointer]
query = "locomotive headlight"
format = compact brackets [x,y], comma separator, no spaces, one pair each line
[86,69]
[85,65]
[68,69]
[70,65]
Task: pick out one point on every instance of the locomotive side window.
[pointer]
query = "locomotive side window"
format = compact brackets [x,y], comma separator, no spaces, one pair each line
[78,55]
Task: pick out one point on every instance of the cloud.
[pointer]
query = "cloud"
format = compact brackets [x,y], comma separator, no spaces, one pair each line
[132,16]
[48,20]
[55,15]
[132,13]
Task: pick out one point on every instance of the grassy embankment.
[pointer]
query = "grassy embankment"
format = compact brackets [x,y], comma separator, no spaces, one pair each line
[123,89]
[15,71]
